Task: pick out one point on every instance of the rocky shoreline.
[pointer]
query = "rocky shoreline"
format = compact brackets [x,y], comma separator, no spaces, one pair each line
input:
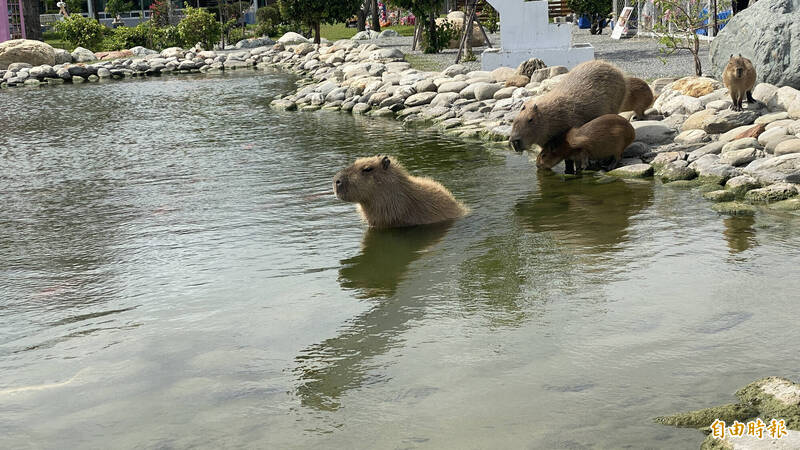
[690,137]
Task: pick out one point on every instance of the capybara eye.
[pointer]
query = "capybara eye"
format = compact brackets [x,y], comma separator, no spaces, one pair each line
[366,169]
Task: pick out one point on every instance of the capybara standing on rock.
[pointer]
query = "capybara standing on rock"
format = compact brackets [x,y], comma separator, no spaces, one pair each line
[586,92]
[638,97]
[389,197]
[739,77]
[604,137]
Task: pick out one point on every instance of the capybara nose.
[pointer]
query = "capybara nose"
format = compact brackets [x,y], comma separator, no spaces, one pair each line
[516,144]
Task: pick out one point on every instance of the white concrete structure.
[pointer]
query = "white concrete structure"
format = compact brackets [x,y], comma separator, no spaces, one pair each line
[526,33]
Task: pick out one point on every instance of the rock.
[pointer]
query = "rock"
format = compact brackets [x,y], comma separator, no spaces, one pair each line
[485,91]
[772,193]
[741,184]
[61,56]
[696,86]
[710,170]
[93,78]
[774,50]
[719,196]
[501,74]
[738,131]
[696,120]
[713,148]
[105,56]
[360,108]
[740,157]
[300,50]
[63,73]
[78,70]
[652,131]
[774,170]
[728,119]
[365,35]
[719,104]
[78,79]
[792,204]
[254,42]
[788,146]
[234,64]
[753,132]
[55,81]
[664,158]
[292,38]
[43,71]
[659,84]
[452,86]
[635,150]
[740,144]
[455,69]
[734,209]
[769,118]
[444,99]
[677,170]
[383,54]
[388,34]
[787,123]
[103,73]
[172,52]
[517,81]
[141,51]
[33,82]
[81,54]
[28,51]
[773,133]
[503,93]
[632,171]
[773,143]
[425,86]
[526,68]
[691,137]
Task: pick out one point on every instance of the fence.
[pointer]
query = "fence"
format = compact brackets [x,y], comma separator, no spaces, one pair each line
[646,15]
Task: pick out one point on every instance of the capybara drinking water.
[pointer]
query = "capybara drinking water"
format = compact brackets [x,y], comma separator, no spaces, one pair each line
[389,197]
[739,77]
[586,92]
[638,97]
[604,137]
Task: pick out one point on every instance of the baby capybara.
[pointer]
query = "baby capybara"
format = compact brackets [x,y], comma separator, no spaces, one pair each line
[604,137]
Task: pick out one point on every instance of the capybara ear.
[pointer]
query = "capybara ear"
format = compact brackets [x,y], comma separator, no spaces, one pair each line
[740,55]
[385,162]
[535,107]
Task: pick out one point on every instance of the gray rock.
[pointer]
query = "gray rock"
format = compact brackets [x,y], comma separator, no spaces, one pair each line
[33,82]
[788,146]
[78,70]
[29,51]
[76,79]
[770,134]
[774,50]
[734,209]
[633,171]
[728,119]
[292,38]
[739,144]
[652,131]
[740,157]
[769,118]
[772,193]
[676,170]
[62,56]
[141,51]
[635,150]
[43,71]
[710,170]
[741,184]
[719,196]
[388,34]
[774,170]
[452,86]
[365,35]
[386,54]
[504,93]
[81,54]
[455,69]
[63,73]
[422,98]
[773,143]
[691,137]
[485,91]
[234,64]
[444,99]
[254,42]
[361,108]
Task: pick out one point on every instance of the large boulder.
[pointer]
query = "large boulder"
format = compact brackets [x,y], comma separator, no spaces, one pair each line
[28,51]
[292,38]
[456,20]
[254,42]
[767,33]
[81,54]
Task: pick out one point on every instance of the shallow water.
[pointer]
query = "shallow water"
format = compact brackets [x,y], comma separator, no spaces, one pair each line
[172,278]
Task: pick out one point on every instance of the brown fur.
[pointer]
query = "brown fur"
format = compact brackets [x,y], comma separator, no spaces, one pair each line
[586,92]
[389,197]
[739,77]
[638,97]
[604,137]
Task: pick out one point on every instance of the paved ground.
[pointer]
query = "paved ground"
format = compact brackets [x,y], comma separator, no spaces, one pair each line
[637,56]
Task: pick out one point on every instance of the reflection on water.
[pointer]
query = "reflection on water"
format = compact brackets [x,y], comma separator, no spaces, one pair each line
[168,277]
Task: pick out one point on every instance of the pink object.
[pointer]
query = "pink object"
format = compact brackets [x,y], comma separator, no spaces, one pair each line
[12,22]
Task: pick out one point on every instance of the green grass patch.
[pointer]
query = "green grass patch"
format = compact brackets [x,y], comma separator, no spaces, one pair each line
[54,39]
[339,31]
[422,62]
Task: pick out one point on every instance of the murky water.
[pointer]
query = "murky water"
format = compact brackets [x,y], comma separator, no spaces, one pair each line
[170,279]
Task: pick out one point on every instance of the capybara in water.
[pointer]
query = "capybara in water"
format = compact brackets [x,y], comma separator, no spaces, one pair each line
[739,77]
[389,197]
[638,97]
[586,92]
[604,137]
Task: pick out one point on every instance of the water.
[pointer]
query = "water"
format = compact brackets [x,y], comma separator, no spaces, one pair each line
[172,278]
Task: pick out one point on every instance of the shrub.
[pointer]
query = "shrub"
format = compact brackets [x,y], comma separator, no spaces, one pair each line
[80,31]
[115,7]
[199,25]
[268,18]
[442,35]
[145,34]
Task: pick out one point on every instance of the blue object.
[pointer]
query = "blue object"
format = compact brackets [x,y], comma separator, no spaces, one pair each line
[584,22]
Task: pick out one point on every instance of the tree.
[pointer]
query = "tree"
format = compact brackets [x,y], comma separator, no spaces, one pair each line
[596,10]
[376,16]
[114,7]
[678,31]
[316,12]
[198,25]
[425,11]
[30,11]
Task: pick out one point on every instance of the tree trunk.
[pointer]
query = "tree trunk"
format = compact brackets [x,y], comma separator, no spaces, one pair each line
[376,18]
[697,69]
[30,11]
[362,15]
[432,41]
[316,32]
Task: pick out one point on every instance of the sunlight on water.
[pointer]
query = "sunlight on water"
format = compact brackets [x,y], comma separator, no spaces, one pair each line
[176,274]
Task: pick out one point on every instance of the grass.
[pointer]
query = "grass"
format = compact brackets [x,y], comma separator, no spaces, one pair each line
[423,63]
[339,31]
[52,38]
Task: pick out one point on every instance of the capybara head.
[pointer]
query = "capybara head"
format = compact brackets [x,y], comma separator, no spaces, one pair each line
[554,154]
[527,126]
[366,177]
[738,64]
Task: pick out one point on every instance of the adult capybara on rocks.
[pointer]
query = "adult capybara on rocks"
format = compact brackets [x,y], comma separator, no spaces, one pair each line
[389,197]
[638,96]
[586,92]
[604,137]
[739,77]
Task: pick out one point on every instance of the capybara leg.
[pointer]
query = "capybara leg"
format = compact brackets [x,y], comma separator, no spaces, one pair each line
[737,103]
[750,99]
[613,164]
[569,167]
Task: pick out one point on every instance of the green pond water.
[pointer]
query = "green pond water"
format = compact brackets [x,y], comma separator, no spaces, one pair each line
[173,274]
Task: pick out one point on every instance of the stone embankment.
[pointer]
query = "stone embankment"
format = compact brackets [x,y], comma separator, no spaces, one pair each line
[690,137]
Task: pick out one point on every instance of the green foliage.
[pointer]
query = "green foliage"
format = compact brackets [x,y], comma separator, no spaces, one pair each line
[199,25]
[316,12]
[424,10]
[590,7]
[490,18]
[75,6]
[115,7]
[159,12]
[443,34]
[79,31]
[268,18]
[145,34]
[235,34]
[678,29]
